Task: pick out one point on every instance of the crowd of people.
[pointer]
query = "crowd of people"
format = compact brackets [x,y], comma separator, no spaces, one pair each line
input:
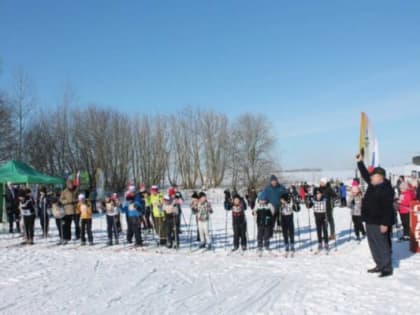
[373,213]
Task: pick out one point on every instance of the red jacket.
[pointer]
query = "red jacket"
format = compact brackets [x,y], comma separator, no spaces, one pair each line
[406,198]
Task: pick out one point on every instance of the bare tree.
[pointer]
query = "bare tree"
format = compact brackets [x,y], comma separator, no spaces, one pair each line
[254,144]
[23,103]
[6,129]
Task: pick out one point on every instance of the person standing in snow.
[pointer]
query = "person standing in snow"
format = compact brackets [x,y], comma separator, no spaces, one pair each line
[43,205]
[343,195]
[27,211]
[320,206]
[378,213]
[264,211]
[156,201]
[84,209]
[133,214]
[193,205]
[203,210]
[68,199]
[273,193]
[407,195]
[171,213]
[287,204]
[111,211]
[355,202]
[12,207]
[238,223]
[59,214]
[329,196]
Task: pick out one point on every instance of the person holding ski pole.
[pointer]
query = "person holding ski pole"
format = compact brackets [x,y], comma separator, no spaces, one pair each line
[111,211]
[355,202]
[59,214]
[27,210]
[264,211]
[319,205]
[84,209]
[287,222]
[203,210]
[238,223]
[133,212]
[171,212]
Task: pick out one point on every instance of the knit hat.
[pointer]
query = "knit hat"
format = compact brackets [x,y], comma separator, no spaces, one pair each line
[355,189]
[323,180]
[167,198]
[378,171]
[129,197]
[194,195]
[202,194]
[82,197]
[262,196]
[154,188]
[131,188]
[273,177]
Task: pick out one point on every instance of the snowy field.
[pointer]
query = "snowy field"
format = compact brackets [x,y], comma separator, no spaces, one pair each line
[46,279]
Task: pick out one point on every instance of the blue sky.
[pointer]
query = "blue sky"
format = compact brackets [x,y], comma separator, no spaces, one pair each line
[311,66]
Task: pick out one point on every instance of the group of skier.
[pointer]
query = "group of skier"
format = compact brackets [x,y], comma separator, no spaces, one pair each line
[150,211]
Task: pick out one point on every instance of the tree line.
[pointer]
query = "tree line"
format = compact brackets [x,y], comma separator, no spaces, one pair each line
[192,148]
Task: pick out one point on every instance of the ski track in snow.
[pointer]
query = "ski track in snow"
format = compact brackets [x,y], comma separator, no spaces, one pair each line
[47,279]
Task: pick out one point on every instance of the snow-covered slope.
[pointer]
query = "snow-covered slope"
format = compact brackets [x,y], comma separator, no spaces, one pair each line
[46,279]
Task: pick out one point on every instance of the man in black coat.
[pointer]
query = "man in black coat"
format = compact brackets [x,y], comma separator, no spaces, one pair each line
[378,213]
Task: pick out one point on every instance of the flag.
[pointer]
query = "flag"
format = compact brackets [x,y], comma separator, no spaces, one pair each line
[76,181]
[368,144]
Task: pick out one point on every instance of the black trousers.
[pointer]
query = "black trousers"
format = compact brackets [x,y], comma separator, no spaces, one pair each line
[264,235]
[59,223]
[13,217]
[44,219]
[343,202]
[29,222]
[358,225]
[172,230]
[330,217]
[288,229]
[147,224]
[87,229]
[111,226]
[67,226]
[239,232]
[405,220]
[134,228]
[321,227]
[379,247]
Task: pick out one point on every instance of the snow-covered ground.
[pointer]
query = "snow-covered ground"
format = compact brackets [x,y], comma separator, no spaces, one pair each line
[46,279]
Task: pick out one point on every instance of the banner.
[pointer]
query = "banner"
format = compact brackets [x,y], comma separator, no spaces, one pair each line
[368,146]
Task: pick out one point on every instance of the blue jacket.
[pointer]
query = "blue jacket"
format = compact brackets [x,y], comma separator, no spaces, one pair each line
[343,191]
[132,209]
[274,194]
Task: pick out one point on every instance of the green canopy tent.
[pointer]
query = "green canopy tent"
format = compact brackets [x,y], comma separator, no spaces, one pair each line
[17,172]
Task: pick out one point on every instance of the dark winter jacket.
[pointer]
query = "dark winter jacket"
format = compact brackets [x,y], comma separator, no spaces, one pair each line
[329,195]
[264,214]
[274,194]
[27,207]
[377,204]
[12,201]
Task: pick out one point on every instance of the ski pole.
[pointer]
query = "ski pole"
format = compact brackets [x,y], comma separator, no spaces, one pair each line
[226,224]
[190,230]
[211,234]
[350,229]
[298,230]
[310,230]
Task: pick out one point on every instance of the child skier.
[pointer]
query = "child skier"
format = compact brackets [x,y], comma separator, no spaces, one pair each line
[133,213]
[171,213]
[407,195]
[58,213]
[84,209]
[112,212]
[158,215]
[238,222]
[27,211]
[193,205]
[319,205]
[202,210]
[265,215]
[287,222]
[355,202]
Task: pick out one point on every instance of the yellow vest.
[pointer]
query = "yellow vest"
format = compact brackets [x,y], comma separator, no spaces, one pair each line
[156,203]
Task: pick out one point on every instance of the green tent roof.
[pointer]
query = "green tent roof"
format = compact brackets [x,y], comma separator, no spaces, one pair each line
[18,172]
